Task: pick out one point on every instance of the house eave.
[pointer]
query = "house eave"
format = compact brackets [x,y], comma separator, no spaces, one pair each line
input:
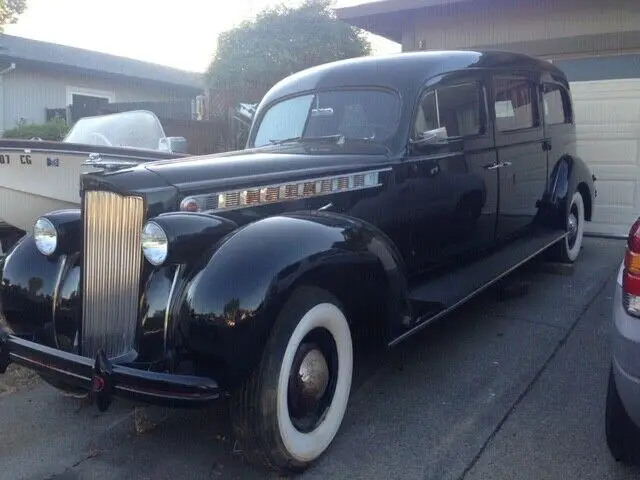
[386,17]
[195,88]
[65,57]
[388,6]
[388,26]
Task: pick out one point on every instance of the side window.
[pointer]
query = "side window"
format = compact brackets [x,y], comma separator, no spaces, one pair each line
[557,106]
[457,110]
[514,103]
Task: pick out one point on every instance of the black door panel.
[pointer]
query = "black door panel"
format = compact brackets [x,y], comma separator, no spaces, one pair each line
[521,150]
[453,199]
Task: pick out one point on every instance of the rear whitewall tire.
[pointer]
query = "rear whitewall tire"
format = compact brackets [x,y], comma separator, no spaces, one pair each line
[568,250]
[274,421]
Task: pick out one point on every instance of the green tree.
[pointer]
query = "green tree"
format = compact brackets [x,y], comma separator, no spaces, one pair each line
[281,40]
[10,10]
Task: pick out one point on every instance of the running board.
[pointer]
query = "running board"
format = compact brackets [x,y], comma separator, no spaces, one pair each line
[441,295]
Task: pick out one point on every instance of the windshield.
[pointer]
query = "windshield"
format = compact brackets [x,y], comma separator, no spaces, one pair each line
[138,129]
[353,114]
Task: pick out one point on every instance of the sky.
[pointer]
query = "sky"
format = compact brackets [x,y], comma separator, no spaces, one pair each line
[182,34]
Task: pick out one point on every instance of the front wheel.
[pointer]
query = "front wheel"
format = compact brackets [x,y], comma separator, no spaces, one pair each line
[289,411]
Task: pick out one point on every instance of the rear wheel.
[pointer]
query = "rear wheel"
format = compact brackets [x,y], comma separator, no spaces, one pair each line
[623,436]
[567,250]
[290,410]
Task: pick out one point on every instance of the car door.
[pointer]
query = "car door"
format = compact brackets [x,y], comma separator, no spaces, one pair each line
[521,149]
[453,196]
[558,119]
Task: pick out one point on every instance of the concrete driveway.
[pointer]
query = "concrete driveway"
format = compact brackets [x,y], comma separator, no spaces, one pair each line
[506,388]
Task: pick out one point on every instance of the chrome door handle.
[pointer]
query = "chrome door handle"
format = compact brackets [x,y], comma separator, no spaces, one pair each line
[493,166]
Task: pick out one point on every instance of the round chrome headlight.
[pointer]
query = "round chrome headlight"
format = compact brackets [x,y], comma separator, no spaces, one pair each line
[45,235]
[155,244]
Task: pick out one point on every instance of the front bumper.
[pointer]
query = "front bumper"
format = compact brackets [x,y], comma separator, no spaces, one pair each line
[105,379]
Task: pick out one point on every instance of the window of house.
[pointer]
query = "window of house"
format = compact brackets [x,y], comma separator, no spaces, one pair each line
[457,109]
[514,103]
[557,107]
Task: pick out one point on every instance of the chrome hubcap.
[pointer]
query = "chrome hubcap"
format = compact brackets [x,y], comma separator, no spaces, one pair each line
[312,380]
[313,376]
[573,225]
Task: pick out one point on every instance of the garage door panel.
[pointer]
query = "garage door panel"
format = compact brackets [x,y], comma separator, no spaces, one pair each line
[609,153]
[613,131]
[604,88]
[625,111]
[607,117]
[614,192]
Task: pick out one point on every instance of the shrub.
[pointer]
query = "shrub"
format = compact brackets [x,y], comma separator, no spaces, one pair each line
[54,129]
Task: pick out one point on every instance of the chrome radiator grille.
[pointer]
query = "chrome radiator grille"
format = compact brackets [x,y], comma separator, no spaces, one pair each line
[111,272]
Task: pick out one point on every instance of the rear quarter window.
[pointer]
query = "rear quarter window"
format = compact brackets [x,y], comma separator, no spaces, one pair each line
[556,104]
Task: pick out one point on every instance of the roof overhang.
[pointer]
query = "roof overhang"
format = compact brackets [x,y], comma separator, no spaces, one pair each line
[386,17]
[64,57]
[6,59]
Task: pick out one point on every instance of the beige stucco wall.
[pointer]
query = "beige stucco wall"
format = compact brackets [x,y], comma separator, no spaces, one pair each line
[25,93]
[540,27]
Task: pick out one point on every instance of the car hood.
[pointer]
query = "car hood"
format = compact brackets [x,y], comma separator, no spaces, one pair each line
[244,168]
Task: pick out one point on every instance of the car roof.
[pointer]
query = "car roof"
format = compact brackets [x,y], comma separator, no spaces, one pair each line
[404,72]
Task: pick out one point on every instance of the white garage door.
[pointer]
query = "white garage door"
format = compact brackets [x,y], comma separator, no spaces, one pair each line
[607,116]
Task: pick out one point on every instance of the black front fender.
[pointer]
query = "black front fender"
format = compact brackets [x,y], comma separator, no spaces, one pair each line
[232,297]
[33,288]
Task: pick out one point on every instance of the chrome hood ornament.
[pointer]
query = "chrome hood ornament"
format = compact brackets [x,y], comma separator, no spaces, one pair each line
[95,160]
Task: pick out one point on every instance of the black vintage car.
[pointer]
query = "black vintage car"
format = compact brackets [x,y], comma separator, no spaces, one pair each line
[376,192]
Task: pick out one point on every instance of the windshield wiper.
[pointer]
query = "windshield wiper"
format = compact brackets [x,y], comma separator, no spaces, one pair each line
[284,140]
[339,139]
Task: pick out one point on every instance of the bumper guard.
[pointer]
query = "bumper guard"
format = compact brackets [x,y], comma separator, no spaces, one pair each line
[105,379]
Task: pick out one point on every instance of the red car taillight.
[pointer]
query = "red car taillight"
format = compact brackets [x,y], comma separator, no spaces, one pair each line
[631,272]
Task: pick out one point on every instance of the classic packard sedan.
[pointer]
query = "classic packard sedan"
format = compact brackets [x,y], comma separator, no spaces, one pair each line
[374,193]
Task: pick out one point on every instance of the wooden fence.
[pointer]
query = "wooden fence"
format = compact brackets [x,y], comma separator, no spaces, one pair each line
[209,123]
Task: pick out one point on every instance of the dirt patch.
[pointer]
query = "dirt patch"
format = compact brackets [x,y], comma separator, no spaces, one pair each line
[16,377]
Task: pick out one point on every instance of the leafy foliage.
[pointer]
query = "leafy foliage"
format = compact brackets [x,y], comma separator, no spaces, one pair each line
[54,129]
[255,55]
[10,10]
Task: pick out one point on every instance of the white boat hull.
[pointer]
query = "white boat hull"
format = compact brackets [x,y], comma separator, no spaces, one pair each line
[30,188]
[35,181]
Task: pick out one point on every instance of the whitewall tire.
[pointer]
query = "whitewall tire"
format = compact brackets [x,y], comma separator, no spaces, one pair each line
[291,409]
[569,249]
